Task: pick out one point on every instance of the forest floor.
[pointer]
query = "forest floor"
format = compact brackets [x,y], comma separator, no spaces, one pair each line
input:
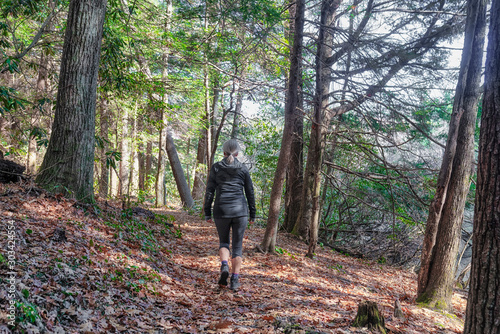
[119,272]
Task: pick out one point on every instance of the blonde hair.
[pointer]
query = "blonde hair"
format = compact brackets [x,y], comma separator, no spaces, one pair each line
[231,148]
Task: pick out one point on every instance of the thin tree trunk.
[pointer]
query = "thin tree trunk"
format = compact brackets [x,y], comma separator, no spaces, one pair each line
[307,224]
[295,172]
[483,305]
[269,241]
[104,129]
[41,89]
[161,167]
[141,155]
[177,170]
[149,161]
[237,109]
[201,161]
[123,176]
[131,162]
[68,165]
[436,275]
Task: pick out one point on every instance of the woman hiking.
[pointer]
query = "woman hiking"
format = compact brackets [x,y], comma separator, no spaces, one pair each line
[230,181]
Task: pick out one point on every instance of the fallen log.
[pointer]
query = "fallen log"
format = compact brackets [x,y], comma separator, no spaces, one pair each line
[10,171]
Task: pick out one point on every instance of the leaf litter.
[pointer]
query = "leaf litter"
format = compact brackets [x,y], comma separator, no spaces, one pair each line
[122,273]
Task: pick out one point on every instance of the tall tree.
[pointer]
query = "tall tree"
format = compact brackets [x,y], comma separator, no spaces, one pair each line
[483,305]
[445,218]
[269,240]
[68,165]
[295,171]
[312,175]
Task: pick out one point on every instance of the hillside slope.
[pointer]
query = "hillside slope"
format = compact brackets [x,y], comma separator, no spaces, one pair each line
[121,272]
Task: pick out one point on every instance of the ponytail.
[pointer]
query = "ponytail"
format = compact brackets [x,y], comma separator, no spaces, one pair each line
[231,148]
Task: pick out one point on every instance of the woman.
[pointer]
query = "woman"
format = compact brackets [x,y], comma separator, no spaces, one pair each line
[228,179]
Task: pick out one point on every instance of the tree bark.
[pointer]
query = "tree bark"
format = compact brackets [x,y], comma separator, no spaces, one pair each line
[68,165]
[269,241]
[180,178]
[483,306]
[437,272]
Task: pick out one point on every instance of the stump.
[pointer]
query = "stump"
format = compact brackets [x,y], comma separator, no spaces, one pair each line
[369,316]
[59,235]
[10,171]
[138,211]
[398,311]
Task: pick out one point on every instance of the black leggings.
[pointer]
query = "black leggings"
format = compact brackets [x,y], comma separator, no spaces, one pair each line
[238,225]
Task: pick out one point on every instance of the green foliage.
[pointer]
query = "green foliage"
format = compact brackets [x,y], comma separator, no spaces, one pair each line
[26,312]
[9,101]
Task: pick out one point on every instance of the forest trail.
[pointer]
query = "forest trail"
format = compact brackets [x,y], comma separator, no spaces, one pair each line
[118,272]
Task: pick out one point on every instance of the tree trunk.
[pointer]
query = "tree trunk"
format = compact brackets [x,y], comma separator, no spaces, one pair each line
[123,172]
[237,109]
[159,188]
[104,121]
[41,91]
[308,222]
[132,155]
[149,160]
[141,154]
[68,165]
[180,178]
[483,306]
[437,272]
[295,172]
[269,240]
[200,173]
[41,88]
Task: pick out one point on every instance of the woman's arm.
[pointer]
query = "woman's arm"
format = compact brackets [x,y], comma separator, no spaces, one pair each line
[249,193]
[209,194]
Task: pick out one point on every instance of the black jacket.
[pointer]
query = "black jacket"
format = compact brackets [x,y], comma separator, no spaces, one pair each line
[228,182]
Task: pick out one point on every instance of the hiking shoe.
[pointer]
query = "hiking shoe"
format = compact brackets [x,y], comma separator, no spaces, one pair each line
[235,283]
[224,274]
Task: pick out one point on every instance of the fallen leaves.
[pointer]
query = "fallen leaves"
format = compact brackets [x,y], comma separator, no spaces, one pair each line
[119,273]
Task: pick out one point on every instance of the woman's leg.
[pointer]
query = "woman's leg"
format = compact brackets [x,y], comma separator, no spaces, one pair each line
[223,227]
[239,226]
